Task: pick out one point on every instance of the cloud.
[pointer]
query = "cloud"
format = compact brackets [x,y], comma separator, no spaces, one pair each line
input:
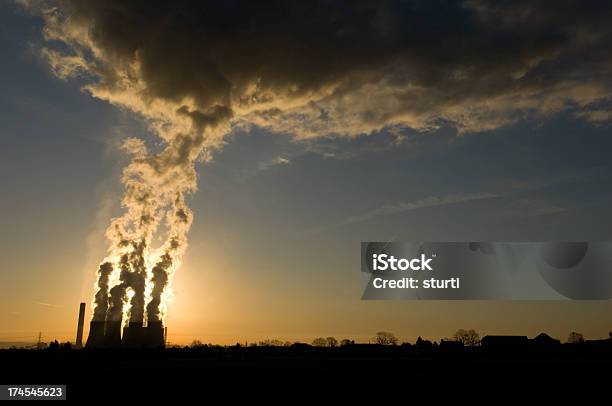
[320,68]
[13,313]
[401,207]
[279,160]
[47,304]
[528,208]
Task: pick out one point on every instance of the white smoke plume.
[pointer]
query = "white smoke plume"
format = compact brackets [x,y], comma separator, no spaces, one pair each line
[101,297]
[154,189]
[179,221]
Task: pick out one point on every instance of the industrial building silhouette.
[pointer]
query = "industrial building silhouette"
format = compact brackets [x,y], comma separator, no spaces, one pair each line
[110,334]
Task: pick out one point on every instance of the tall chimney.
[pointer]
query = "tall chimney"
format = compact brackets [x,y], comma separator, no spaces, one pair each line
[79,337]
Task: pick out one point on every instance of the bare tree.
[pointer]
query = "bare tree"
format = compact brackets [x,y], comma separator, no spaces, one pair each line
[385,338]
[271,343]
[331,342]
[319,342]
[468,338]
[575,338]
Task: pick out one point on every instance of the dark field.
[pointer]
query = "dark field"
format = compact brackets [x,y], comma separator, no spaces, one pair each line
[362,370]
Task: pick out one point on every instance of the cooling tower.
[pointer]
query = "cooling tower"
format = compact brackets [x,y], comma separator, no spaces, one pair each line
[79,336]
[112,336]
[134,336]
[96,335]
[155,333]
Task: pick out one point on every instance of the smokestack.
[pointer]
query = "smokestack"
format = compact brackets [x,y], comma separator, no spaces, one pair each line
[79,337]
[96,335]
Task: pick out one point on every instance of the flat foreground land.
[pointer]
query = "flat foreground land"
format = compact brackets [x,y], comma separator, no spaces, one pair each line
[100,374]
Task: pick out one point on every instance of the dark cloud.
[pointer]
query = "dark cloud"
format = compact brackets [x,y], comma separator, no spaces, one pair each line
[346,67]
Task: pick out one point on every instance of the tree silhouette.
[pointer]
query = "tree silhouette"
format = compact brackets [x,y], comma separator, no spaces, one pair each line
[423,344]
[319,342]
[385,338]
[575,338]
[346,341]
[196,344]
[272,343]
[467,337]
[331,342]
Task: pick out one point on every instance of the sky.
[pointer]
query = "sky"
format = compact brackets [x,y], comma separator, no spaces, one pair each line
[287,192]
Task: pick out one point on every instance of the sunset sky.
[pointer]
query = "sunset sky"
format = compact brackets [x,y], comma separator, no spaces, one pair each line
[282,206]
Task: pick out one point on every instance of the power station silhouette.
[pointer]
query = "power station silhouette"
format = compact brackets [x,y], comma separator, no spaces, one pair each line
[109,334]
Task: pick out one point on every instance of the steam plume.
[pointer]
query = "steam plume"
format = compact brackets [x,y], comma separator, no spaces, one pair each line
[101,298]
